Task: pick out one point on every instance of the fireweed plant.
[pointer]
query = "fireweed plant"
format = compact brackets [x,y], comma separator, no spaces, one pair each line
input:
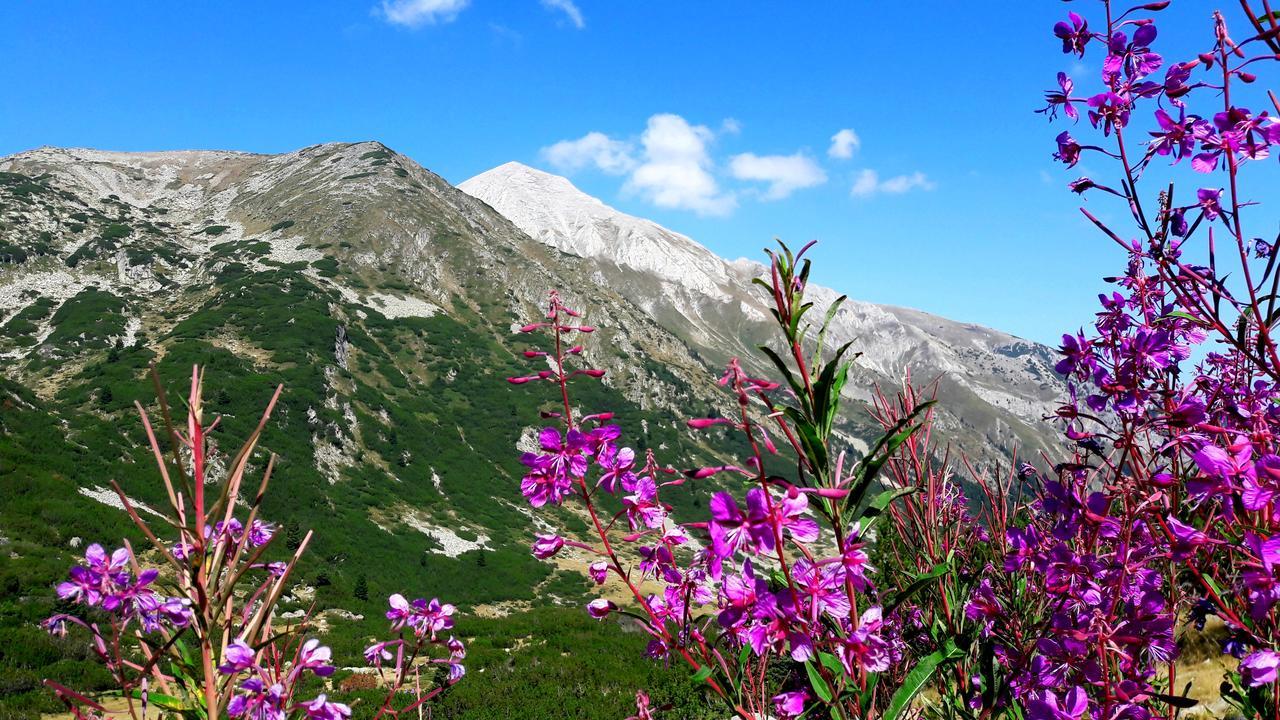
[770,600]
[1167,513]
[199,636]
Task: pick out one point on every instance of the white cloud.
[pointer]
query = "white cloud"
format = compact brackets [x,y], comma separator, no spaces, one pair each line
[415,13]
[570,10]
[595,149]
[784,173]
[844,143]
[676,172]
[868,183]
[730,126]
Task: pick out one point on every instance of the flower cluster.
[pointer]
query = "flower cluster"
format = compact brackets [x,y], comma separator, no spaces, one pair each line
[1167,507]
[107,582]
[221,650]
[757,580]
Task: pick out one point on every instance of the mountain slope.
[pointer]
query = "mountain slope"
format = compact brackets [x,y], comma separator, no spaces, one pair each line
[995,388]
[384,300]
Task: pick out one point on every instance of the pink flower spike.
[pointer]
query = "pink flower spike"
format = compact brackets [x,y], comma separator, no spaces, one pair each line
[707,472]
[833,493]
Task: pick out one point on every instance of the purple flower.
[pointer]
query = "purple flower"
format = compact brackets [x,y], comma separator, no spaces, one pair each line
[400,611]
[552,473]
[822,589]
[260,533]
[617,465]
[1074,705]
[1068,149]
[322,709]
[642,506]
[259,702]
[1187,539]
[790,705]
[1259,668]
[1061,98]
[546,546]
[866,647]
[1208,200]
[1175,138]
[1260,490]
[1074,33]
[238,657]
[1109,111]
[315,657]
[599,571]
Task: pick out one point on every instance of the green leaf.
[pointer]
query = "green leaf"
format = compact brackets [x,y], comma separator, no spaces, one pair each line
[168,702]
[1177,701]
[882,502]
[820,686]
[831,662]
[703,673]
[919,677]
[917,584]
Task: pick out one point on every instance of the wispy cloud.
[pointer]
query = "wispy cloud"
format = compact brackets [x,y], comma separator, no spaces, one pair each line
[843,144]
[671,165]
[868,183]
[784,173]
[595,149]
[570,10]
[416,13]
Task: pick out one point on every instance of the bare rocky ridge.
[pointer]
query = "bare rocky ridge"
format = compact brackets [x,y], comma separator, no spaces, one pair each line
[996,387]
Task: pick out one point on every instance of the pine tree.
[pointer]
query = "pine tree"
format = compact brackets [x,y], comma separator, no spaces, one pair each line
[292,534]
[361,590]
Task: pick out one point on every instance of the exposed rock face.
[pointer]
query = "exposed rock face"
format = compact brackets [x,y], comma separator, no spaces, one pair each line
[341,347]
[997,387]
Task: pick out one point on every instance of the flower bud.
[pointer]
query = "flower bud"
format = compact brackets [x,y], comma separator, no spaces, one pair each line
[600,608]
[704,423]
[598,571]
[546,546]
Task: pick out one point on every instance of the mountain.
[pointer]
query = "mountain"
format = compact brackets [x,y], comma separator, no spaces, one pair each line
[995,388]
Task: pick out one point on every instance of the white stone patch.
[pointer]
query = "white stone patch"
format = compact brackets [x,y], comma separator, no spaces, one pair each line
[451,545]
[398,307]
[109,497]
[131,328]
[285,250]
[538,523]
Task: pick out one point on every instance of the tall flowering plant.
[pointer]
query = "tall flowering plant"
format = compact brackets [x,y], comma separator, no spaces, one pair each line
[1167,510]
[770,599]
[198,636]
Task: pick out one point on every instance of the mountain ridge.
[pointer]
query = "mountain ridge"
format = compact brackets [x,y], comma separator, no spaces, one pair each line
[893,340]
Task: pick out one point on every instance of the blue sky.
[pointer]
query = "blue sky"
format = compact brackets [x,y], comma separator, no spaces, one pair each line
[713,118]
